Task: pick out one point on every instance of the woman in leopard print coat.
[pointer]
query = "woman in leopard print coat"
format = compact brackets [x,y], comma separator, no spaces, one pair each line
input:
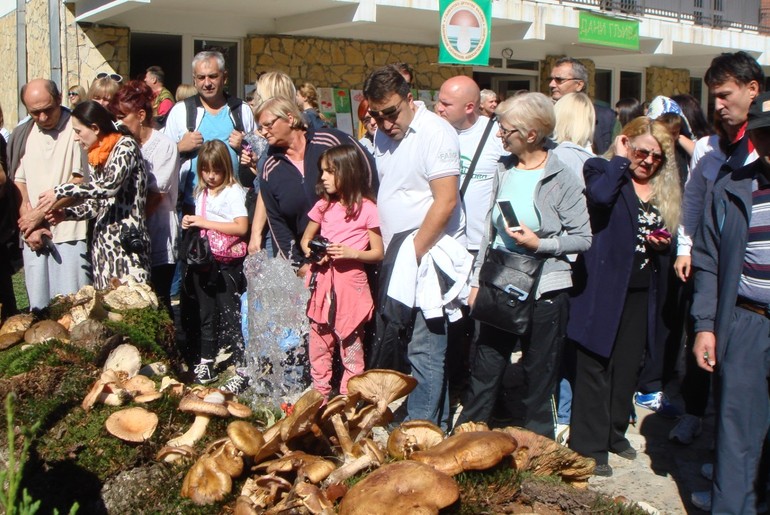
[115,195]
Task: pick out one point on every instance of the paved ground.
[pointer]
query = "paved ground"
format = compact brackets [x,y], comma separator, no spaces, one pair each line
[664,473]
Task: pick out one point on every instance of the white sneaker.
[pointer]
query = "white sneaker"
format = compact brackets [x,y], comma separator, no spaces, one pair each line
[562,434]
[687,429]
[701,500]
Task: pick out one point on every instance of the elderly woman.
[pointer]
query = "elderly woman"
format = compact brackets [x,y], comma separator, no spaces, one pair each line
[287,184]
[115,196]
[548,201]
[132,105]
[633,200]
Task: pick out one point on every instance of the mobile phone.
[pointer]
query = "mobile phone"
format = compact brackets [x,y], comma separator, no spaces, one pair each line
[660,233]
[506,209]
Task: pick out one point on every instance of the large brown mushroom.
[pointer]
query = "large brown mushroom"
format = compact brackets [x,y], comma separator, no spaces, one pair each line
[478,450]
[205,482]
[371,456]
[17,323]
[46,330]
[413,435]
[247,438]
[380,387]
[401,487]
[132,424]
[204,404]
[307,466]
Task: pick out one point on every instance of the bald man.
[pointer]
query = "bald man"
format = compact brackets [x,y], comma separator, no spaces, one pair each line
[458,103]
[43,153]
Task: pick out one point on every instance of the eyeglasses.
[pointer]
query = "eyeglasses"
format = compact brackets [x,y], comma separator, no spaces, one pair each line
[506,132]
[72,93]
[269,125]
[560,80]
[642,154]
[113,76]
[389,113]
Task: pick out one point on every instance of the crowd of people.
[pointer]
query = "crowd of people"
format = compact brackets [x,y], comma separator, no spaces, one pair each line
[617,250]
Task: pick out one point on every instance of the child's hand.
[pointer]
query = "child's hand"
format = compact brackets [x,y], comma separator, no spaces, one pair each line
[303,245]
[193,221]
[340,251]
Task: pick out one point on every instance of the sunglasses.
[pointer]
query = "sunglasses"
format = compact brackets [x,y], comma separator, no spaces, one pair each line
[560,80]
[73,94]
[113,76]
[642,154]
[389,113]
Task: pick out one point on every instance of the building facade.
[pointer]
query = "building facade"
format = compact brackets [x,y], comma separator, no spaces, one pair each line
[335,43]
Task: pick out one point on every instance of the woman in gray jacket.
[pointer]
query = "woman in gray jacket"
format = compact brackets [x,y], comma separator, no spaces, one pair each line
[550,206]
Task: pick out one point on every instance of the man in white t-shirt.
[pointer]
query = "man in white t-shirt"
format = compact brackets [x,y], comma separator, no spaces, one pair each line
[418,161]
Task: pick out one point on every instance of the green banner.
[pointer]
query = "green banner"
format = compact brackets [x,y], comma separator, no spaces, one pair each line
[607,31]
[465,31]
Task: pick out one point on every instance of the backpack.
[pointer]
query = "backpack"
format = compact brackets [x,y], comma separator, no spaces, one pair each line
[192,104]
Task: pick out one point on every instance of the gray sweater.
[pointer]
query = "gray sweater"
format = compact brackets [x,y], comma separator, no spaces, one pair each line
[564,224]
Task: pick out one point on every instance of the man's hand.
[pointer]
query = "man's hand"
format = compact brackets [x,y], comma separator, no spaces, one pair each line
[682,267]
[235,140]
[190,141]
[35,241]
[30,221]
[705,350]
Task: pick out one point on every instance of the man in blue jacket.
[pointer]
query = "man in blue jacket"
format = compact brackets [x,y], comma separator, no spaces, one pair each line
[731,258]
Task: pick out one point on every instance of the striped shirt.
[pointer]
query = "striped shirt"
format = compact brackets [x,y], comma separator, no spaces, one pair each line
[755,276]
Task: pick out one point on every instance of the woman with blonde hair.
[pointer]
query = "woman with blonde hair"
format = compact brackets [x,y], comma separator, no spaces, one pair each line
[76,94]
[547,199]
[184,91]
[307,99]
[634,201]
[103,88]
[273,84]
[574,130]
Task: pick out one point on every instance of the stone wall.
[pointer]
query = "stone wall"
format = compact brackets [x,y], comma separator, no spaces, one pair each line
[666,81]
[343,63]
[38,40]
[545,72]
[8,87]
[101,48]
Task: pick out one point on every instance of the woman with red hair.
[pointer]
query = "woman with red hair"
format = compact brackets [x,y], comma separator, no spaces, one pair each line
[132,106]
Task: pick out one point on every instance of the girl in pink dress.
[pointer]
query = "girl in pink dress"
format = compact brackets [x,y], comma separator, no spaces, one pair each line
[340,301]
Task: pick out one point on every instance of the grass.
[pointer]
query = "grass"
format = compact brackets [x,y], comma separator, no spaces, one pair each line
[22,301]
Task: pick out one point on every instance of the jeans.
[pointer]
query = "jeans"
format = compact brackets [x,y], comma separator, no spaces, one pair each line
[426,354]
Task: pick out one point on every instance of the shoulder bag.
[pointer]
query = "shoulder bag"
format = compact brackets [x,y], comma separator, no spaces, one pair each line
[225,248]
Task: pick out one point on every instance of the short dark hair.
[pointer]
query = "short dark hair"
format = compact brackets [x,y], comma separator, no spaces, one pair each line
[406,69]
[579,69]
[739,66]
[50,86]
[157,71]
[385,81]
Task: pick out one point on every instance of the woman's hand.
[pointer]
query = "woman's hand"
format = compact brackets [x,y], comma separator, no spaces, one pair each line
[55,217]
[683,267]
[255,243]
[340,251]
[472,296]
[658,243]
[620,145]
[524,237]
[46,200]
[193,221]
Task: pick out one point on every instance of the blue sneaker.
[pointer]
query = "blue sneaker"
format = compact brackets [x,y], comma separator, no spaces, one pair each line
[657,402]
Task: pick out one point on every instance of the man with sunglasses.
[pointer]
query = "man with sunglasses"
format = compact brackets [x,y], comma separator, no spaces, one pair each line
[731,294]
[418,161]
[569,75]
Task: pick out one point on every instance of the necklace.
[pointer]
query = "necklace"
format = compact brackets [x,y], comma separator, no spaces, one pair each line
[538,165]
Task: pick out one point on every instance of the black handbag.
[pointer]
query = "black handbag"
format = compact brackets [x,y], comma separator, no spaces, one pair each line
[507,285]
[196,251]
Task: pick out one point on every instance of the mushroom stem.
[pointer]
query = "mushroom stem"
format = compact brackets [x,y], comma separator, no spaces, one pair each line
[352,468]
[343,436]
[195,433]
[370,420]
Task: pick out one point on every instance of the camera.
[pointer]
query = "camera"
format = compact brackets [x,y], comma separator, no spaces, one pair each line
[318,247]
[131,239]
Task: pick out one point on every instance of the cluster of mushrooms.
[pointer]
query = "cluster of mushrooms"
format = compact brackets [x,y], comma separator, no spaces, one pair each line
[300,463]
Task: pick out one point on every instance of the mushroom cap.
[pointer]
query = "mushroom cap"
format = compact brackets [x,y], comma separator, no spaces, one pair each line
[247,438]
[313,498]
[9,339]
[148,397]
[183,451]
[208,405]
[413,435]
[237,409]
[132,424]
[401,487]
[314,468]
[468,427]
[228,458]
[205,482]
[172,385]
[139,385]
[478,450]
[45,330]
[17,323]
[345,404]
[126,358]
[381,386]
[303,416]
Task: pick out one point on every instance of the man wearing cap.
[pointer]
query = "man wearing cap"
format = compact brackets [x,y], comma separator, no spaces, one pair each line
[731,257]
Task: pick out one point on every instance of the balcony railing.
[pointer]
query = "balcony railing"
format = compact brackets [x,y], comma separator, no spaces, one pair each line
[681,11]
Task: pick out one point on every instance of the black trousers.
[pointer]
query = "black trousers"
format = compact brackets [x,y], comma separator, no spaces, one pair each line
[541,354]
[604,387]
[211,307]
[162,276]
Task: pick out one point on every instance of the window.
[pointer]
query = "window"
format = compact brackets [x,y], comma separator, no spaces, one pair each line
[698,4]
[717,5]
[696,88]
[603,81]
[698,17]
[631,85]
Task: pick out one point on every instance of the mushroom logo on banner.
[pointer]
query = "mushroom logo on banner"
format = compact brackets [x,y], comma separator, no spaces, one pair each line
[465,31]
